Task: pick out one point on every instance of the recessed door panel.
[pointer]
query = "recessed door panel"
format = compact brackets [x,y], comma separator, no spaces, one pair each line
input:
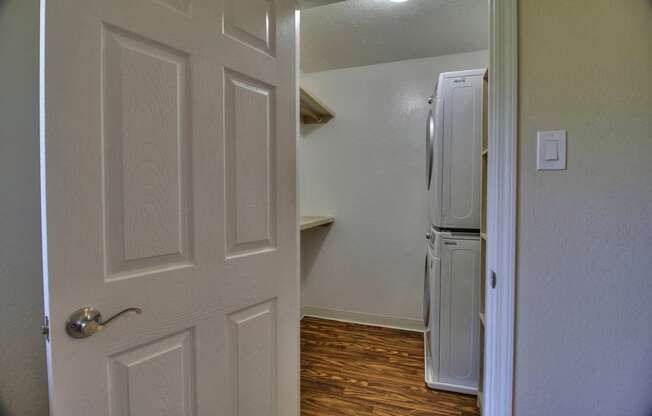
[435,309]
[461,166]
[459,346]
[426,293]
[462,138]
[436,177]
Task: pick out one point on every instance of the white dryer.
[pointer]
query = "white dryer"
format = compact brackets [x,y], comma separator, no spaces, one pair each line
[453,141]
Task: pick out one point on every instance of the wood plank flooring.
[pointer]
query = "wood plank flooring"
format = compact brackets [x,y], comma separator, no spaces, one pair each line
[359,370]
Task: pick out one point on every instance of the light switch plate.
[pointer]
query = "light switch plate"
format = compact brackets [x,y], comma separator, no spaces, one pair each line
[551,150]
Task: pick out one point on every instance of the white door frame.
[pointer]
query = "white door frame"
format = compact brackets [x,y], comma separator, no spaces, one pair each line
[501,206]
[501,219]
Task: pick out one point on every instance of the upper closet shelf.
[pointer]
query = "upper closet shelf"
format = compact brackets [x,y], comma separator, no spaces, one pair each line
[313,111]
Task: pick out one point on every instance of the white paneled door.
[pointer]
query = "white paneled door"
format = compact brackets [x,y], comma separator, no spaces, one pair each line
[168,132]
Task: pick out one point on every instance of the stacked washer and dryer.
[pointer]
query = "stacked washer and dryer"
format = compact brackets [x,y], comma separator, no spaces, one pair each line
[452,292]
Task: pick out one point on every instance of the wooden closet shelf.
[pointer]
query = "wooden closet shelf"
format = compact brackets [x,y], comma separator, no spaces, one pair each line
[309,222]
[312,110]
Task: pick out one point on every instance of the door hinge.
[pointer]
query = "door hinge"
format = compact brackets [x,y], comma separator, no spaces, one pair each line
[45,328]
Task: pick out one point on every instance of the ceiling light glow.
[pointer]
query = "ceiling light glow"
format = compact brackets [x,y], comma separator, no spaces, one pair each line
[398,1]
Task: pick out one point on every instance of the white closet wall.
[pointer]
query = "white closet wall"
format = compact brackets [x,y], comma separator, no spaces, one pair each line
[366,168]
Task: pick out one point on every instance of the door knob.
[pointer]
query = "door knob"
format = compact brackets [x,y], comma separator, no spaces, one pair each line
[86,321]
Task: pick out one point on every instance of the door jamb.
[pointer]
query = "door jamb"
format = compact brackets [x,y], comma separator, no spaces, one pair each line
[501,206]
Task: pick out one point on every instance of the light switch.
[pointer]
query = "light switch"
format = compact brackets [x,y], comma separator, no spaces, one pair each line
[551,150]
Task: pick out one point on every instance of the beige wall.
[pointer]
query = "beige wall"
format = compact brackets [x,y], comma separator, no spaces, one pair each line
[584,311]
[23,385]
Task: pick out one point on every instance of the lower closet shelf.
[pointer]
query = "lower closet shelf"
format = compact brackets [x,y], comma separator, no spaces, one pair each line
[313,221]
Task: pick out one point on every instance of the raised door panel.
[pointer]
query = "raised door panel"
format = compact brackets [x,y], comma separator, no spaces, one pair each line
[183,6]
[250,167]
[155,379]
[459,346]
[252,22]
[146,138]
[461,153]
[252,335]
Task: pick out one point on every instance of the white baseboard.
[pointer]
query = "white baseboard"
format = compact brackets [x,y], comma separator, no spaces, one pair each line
[364,318]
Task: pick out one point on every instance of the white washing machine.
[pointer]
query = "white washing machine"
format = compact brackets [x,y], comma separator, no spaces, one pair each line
[451,299]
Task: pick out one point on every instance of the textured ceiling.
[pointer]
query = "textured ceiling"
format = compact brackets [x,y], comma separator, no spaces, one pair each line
[364,32]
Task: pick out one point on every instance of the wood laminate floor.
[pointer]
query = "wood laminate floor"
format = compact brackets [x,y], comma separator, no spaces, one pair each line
[359,370]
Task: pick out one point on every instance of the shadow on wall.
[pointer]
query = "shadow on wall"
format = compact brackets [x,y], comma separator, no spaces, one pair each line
[311,242]
[308,129]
